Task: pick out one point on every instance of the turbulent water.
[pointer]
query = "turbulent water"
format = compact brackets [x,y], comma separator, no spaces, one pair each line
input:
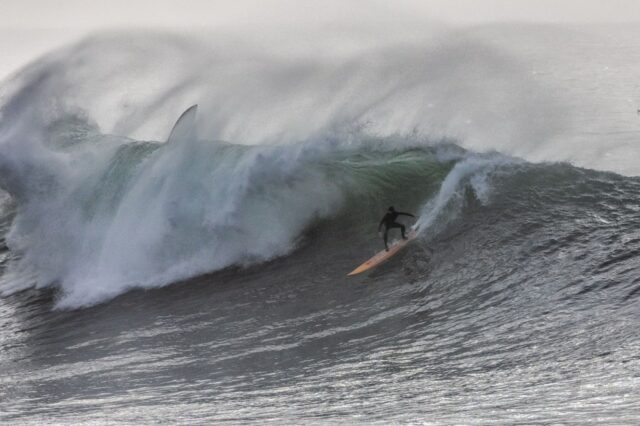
[198,275]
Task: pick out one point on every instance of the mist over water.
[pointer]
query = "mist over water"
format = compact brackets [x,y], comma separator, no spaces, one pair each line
[294,110]
[255,205]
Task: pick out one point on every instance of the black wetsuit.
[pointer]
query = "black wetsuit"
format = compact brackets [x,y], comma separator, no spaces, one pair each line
[389,221]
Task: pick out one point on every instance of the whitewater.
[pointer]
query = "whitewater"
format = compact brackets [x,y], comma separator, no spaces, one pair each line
[166,262]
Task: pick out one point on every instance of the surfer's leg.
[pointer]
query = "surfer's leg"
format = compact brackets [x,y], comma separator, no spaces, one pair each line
[401,226]
[386,231]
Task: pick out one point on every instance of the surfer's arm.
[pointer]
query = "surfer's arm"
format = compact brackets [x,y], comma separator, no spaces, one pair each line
[405,214]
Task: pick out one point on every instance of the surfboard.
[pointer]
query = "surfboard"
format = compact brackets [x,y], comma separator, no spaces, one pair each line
[384,255]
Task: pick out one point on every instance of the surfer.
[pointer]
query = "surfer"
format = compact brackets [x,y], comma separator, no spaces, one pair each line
[389,221]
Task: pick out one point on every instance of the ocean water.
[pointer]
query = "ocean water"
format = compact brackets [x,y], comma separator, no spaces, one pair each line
[194,272]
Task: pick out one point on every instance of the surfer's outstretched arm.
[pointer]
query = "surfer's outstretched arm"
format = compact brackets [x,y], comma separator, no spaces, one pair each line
[405,214]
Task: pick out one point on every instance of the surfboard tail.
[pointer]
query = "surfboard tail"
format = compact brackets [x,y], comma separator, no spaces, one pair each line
[382,256]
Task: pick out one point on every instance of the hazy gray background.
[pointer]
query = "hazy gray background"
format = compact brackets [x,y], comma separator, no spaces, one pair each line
[29,28]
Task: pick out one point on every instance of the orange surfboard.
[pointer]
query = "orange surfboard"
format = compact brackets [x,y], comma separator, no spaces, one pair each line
[383,255]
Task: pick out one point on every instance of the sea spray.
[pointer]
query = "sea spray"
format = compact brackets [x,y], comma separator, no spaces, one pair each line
[100,212]
[470,172]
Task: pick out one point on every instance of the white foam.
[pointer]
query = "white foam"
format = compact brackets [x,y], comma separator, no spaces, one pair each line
[471,171]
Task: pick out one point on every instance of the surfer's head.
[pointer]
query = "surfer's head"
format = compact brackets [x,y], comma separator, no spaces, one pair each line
[391,209]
